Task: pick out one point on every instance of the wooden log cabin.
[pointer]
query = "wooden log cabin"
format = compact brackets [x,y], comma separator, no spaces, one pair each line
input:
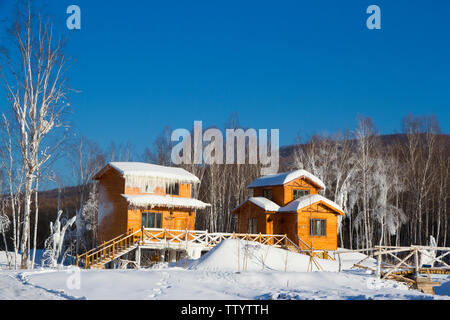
[134,195]
[289,203]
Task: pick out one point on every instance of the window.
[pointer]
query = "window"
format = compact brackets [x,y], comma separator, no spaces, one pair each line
[267,193]
[252,225]
[318,227]
[173,189]
[152,220]
[298,193]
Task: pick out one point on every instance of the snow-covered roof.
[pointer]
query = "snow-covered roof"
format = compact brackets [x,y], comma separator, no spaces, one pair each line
[293,206]
[262,202]
[265,203]
[282,178]
[146,200]
[141,169]
[308,200]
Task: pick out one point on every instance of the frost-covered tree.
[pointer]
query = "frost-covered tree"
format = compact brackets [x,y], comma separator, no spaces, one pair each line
[86,221]
[55,242]
[386,211]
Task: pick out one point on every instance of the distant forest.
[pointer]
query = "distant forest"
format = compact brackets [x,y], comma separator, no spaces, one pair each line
[393,188]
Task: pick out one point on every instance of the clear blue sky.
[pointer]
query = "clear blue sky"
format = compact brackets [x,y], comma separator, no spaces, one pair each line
[299,66]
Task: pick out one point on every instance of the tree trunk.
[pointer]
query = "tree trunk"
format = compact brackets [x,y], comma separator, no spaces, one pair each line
[24,247]
[36,213]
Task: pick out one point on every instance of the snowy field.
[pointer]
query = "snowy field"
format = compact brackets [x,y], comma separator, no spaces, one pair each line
[265,273]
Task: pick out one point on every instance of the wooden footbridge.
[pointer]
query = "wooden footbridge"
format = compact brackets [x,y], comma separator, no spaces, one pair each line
[160,239]
[404,264]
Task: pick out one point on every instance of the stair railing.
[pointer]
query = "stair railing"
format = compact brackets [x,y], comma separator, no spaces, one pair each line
[108,250]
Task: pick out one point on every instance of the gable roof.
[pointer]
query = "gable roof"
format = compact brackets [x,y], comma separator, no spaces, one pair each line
[142,169]
[283,178]
[261,202]
[308,200]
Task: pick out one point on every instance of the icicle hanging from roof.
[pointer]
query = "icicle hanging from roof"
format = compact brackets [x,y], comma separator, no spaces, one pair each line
[147,177]
[152,201]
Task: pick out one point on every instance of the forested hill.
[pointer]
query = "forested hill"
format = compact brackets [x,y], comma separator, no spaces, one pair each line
[386,140]
[287,152]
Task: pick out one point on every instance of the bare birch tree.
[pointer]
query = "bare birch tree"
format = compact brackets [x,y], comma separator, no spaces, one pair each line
[365,136]
[33,73]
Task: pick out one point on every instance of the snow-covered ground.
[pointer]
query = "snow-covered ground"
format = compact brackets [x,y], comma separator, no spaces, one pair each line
[215,276]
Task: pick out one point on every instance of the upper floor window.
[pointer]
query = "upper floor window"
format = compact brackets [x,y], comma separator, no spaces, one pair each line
[298,193]
[318,227]
[173,189]
[267,193]
[151,219]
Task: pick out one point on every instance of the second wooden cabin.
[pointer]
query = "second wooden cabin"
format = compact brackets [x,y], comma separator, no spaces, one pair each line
[289,203]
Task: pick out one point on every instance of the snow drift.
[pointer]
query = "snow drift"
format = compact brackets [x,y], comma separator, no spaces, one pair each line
[241,255]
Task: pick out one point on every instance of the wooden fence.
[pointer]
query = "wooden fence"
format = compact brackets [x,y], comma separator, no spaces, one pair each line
[397,260]
[176,239]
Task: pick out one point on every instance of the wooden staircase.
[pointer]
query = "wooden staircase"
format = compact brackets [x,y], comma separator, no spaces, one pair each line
[108,251]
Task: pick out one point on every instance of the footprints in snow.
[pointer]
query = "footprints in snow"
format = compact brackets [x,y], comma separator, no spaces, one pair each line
[161,285]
